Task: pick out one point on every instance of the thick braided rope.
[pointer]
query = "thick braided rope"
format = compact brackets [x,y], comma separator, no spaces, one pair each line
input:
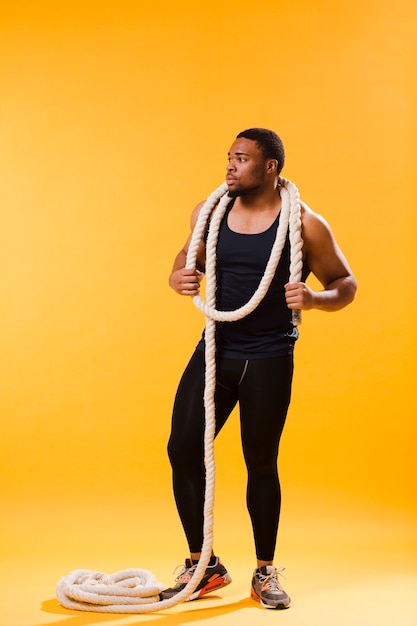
[289,219]
[137,591]
[126,591]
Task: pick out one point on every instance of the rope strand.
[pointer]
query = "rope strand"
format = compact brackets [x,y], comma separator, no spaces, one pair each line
[137,591]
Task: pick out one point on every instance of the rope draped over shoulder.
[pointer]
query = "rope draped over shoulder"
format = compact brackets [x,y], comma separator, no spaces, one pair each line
[289,218]
[137,591]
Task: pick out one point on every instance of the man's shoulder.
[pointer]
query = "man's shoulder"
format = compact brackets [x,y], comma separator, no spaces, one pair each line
[196,212]
[312,219]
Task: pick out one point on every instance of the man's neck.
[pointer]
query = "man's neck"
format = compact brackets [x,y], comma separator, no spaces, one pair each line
[265,200]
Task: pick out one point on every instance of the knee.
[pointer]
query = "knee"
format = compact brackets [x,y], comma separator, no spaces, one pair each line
[181,454]
[263,470]
[174,453]
[262,466]
[261,455]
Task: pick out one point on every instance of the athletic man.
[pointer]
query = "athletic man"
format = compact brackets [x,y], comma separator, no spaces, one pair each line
[254,355]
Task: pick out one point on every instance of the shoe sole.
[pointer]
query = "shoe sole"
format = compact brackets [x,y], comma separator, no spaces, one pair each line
[211,585]
[280,606]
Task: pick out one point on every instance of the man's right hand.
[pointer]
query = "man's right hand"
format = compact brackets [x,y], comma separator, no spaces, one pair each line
[186,282]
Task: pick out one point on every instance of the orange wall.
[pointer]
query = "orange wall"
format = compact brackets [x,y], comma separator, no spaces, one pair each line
[115,119]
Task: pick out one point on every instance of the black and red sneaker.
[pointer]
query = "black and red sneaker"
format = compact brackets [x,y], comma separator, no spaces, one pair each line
[215,577]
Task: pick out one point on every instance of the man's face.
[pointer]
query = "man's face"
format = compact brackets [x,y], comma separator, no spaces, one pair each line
[246,168]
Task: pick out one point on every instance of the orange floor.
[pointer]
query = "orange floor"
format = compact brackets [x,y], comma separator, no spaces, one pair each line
[353,568]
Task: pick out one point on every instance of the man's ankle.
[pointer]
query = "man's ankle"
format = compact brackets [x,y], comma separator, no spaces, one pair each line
[195,557]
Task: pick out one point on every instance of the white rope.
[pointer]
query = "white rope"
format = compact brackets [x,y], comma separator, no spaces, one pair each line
[137,591]
[290,217]
[126,591]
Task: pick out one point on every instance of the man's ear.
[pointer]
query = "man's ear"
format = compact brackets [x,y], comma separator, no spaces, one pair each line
[272,165]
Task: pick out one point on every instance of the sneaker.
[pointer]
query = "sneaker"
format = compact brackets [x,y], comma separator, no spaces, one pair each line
[267,590]
[215,577]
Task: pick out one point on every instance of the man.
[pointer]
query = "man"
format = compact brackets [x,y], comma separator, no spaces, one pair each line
[254,355]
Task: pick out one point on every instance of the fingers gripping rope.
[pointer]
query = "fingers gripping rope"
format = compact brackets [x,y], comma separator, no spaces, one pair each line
[137,591]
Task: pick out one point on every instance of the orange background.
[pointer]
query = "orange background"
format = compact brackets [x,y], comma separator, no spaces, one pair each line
[115,120]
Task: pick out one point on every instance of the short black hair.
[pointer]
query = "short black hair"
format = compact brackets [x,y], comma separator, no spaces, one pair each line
[269,142]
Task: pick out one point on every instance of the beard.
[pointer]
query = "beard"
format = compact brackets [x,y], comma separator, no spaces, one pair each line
[241,191]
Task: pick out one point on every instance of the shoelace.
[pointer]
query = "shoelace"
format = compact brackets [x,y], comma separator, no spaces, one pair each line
[185,574]
[272,579]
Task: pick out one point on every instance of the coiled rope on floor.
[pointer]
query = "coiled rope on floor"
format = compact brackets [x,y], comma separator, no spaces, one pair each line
[137,590]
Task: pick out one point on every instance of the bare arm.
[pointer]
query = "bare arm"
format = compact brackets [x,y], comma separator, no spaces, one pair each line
[327,263]
[183,281]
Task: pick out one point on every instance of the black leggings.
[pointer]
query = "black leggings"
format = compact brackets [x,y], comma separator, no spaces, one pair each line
[262,387]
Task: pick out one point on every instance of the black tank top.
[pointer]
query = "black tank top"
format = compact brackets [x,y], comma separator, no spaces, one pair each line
[241,261]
